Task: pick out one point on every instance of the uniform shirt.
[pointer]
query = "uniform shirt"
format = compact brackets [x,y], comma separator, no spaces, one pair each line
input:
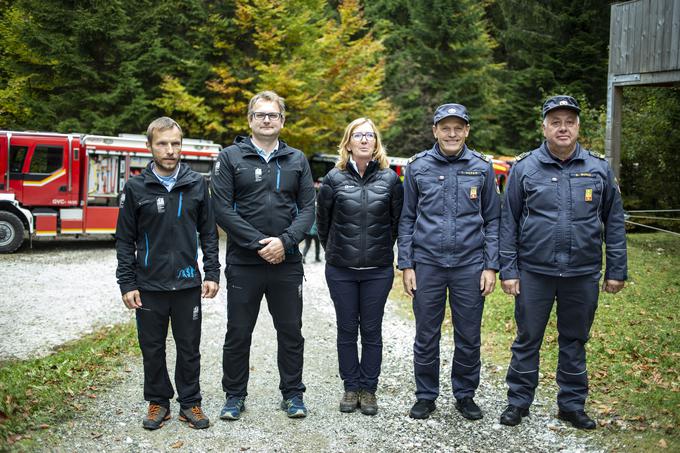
[557,213]
[451,211]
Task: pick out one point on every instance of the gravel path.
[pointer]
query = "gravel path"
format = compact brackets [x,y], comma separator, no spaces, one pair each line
[112,421]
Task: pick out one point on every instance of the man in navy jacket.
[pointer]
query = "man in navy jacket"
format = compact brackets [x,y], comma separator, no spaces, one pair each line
[561,201]
[448,239]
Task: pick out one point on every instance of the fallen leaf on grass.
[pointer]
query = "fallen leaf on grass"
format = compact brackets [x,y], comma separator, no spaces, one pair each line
[44,426]
[127,370]
[662,443]
[92,395]
[96,435]
[177,444]
[14,438]
[3,417]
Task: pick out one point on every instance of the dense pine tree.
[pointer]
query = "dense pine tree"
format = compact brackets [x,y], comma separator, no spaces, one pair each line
[439,51]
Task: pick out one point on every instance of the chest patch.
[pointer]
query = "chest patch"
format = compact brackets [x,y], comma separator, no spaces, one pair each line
[258,174]
[589,195]
[160,205]
[473,193]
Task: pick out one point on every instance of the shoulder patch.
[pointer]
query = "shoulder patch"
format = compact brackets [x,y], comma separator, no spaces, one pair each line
[484,157]
[598,155]
[522,156]
[416,156]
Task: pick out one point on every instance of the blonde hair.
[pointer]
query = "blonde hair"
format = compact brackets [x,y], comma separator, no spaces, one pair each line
[268,96]
[161,124]
[379,153]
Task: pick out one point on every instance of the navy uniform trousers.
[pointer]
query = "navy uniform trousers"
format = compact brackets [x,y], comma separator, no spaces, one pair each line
[576,304]
[182,309]
[429,305]
[281,284]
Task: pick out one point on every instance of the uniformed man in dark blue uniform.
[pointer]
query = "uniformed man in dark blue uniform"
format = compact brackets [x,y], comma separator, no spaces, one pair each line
[448,239]
[561,201]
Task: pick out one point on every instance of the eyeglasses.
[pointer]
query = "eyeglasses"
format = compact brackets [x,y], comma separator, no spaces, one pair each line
[272,116]
[359,136]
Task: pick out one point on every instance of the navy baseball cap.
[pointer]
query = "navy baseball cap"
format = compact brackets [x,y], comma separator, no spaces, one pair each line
[560,102]
[447,110]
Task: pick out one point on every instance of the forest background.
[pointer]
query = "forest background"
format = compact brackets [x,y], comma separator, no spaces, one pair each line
[112,66]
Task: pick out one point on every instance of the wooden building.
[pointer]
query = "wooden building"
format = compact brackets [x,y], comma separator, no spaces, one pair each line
[644,49]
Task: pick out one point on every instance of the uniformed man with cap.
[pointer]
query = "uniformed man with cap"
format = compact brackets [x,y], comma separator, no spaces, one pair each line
[561,201]
[448,239]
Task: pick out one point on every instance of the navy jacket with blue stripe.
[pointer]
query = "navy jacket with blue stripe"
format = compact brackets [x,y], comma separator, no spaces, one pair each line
[254,199]
[159,232]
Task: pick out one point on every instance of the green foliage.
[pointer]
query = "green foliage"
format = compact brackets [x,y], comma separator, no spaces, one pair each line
[439,51]
[326,64]
[557,47]
[650,161]
[34,394]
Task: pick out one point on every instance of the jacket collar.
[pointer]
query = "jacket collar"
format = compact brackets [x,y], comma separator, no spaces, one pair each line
[184,176]
[246,145]
[435,152]
[546,157]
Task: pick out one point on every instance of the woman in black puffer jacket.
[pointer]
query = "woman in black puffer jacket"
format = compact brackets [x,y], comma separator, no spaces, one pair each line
[357,217]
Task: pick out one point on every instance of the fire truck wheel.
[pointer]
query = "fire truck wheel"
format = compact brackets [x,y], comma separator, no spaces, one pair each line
[11,232]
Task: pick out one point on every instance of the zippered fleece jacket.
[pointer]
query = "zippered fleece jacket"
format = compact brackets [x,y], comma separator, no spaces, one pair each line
[254,199]
[159,232]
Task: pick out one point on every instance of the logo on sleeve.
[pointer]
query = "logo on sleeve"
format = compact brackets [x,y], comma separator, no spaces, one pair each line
[194,316]
[122,201]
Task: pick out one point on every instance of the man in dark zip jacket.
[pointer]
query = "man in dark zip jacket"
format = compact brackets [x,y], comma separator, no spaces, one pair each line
[561,203]
[448,239]
[165,215]
[263,196]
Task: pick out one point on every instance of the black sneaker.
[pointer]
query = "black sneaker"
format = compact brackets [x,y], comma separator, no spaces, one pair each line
[468,408]
[579,419]
[233,407]
[156,416]
[512,415]
[195,417]
[422,409]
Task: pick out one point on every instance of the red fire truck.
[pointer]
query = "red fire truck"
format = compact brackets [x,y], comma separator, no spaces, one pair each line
[67,185]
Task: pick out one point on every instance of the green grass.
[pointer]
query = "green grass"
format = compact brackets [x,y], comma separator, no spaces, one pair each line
[633,354]
[35,394]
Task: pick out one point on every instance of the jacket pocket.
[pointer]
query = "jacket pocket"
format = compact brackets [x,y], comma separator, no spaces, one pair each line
[586,196]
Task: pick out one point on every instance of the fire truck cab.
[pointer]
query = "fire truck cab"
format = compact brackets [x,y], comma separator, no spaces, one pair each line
[67,185]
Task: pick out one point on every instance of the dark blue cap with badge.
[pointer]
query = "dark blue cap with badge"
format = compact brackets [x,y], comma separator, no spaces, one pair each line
[560,102]
[447,110]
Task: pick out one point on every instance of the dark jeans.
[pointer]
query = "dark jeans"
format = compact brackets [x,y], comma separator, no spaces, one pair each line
[576,304]
[183,310]
[308,244]
[429,305]
[281,284]
[359,297]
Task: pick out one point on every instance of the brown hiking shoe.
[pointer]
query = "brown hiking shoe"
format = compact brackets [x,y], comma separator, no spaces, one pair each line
[156,416]
[368,403]
[349,401]
[195,417]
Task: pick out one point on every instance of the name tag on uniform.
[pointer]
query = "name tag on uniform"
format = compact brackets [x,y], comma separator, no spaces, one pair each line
[469,172]
[473,193]
[589,195]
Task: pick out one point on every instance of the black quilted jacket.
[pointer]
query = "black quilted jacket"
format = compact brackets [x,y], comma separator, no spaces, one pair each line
[358,217]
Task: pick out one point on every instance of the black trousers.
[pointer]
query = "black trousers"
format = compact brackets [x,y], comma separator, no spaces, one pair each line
[281,284]
[308,244]
[183,310]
